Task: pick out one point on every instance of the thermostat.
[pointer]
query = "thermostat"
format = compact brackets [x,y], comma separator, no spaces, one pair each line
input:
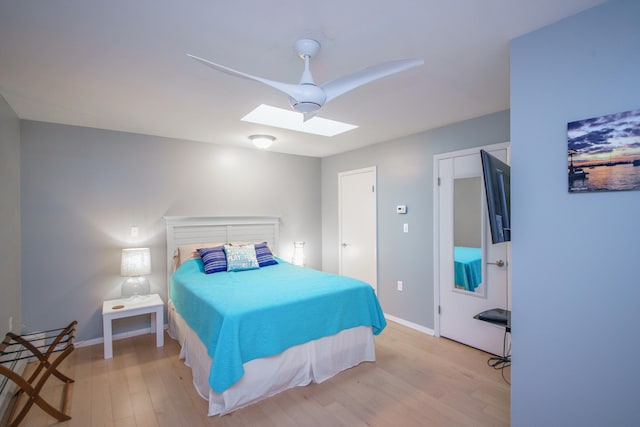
[401,209]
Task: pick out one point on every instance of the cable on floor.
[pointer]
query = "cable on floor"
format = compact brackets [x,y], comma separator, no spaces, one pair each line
[504,361]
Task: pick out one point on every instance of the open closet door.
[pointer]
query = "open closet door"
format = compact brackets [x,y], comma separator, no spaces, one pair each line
[471,273]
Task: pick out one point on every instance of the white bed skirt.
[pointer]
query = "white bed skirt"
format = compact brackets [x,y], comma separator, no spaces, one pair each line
[315,361]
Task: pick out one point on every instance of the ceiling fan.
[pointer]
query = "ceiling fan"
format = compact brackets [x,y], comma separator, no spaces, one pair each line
[307,97]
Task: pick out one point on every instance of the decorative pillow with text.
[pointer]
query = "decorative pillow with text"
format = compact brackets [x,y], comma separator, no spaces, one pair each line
[241,257]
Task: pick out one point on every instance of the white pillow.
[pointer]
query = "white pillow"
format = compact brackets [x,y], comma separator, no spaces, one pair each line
[186,252]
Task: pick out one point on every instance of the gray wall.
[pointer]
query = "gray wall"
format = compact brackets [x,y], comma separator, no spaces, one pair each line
[83,189]
[405,176]
[9,218]
[576,291]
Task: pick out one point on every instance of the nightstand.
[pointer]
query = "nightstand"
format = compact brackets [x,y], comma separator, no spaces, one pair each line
[127,307]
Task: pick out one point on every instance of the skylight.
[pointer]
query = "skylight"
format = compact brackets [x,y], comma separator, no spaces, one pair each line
[292,120]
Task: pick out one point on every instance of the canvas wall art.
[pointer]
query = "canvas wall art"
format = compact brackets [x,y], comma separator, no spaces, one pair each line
[604,153]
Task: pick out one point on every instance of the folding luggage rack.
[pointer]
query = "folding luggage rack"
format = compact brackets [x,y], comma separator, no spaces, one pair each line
[38,346]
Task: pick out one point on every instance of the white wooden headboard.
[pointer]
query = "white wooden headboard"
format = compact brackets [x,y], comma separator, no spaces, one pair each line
[183,230]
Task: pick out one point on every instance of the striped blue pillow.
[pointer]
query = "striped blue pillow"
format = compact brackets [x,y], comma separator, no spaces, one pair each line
[214,259]
[264,255]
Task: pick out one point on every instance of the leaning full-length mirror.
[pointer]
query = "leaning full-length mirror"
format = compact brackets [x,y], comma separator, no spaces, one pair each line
[467,235]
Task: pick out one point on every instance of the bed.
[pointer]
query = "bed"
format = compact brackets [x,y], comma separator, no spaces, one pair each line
[467,267]
[250,334]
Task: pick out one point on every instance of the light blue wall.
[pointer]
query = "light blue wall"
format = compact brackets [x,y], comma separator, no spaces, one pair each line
[9,218]
[405,176]
[576,287]
[83,189]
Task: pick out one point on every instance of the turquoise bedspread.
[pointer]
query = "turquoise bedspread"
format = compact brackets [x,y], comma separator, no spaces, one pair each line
[467,267]
[245,315]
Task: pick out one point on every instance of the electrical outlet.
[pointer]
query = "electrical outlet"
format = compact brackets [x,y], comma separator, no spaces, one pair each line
[134,231]
[400,286]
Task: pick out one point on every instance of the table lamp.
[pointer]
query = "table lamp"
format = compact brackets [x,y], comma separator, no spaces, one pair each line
[298,254]
[135,263]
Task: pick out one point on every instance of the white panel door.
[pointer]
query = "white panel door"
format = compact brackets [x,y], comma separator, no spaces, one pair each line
[460,201]
[357,225]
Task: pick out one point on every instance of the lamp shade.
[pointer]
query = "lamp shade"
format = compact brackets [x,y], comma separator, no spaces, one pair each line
[135,262]
[298,254]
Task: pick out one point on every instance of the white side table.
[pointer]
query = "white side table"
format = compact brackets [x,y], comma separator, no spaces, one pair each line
[127,307]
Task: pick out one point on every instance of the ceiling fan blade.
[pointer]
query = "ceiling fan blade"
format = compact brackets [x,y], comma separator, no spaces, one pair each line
[293,90]
[341,85]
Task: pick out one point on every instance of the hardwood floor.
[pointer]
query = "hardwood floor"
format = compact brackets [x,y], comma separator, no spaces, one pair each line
[417,380]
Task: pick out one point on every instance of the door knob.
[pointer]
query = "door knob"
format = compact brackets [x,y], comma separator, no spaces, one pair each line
[499,263]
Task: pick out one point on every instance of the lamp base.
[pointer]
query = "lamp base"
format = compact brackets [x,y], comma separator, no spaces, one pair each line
[135,287]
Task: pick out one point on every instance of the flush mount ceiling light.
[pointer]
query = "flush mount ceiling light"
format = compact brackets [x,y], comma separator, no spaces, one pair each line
[287,119]
[262,141]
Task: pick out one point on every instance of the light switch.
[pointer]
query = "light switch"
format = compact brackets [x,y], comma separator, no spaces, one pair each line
[405,228]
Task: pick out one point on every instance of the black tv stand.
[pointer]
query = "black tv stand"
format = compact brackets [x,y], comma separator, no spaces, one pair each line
[496,316]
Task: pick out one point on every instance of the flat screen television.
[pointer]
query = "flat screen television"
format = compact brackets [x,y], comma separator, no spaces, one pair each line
[497,189]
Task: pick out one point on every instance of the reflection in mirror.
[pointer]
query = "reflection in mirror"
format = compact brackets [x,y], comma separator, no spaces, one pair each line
[467,234]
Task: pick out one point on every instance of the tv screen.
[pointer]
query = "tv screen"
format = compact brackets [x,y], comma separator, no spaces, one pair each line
[497,189]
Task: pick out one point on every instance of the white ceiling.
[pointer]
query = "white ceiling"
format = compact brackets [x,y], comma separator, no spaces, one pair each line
[122,64]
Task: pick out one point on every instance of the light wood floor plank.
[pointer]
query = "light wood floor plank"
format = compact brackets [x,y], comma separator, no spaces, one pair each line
[417,380]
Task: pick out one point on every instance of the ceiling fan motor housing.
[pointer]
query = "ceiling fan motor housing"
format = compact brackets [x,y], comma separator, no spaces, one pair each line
[304,107]
[310,98]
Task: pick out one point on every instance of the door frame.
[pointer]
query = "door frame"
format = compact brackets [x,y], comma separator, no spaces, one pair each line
[375,219]
[436,223]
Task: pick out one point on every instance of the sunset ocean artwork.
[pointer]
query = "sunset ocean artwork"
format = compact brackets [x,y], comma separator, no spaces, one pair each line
[604,153]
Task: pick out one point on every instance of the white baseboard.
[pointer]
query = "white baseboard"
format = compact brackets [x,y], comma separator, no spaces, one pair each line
[411,325]
[116,337]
